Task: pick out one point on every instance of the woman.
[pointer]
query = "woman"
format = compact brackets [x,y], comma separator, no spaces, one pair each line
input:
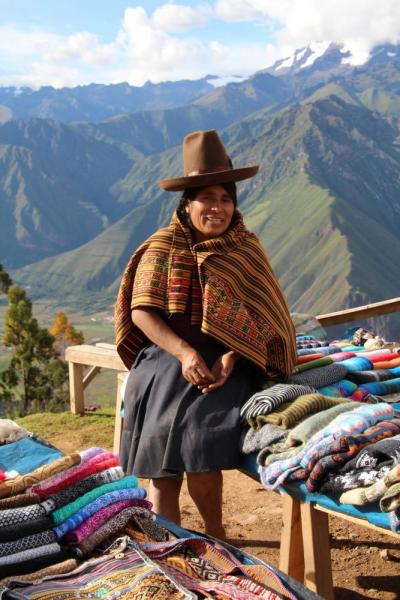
[199,315]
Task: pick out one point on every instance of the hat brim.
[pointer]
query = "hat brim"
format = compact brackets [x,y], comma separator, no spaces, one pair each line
[178,184]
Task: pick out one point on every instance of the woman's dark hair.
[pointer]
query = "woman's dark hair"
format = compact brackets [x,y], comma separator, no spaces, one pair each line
[191,193]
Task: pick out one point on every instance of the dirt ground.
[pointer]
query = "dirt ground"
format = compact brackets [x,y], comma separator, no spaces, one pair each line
[253,519]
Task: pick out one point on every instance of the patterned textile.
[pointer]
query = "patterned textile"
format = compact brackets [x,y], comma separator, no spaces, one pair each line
[81,487]
[341,389]
[61,514]
[290,414]
[266,401]
[370,376]
[360,496]
[318,362]
[370,464]
[118,575]
[343,449]
[254,441]
[340,356]
[98,463]
[22,482]
[326,350]
[19,500]
[25,543]
[299,435]
[19,522]
[352,422]
[219,558]
[87,511]
[142,517]
[379,388]
[93,523]
[391,498]
[230,590]
[321,376]
[90,453]
[30,554]
[242,304]
[356,363]
[37,576]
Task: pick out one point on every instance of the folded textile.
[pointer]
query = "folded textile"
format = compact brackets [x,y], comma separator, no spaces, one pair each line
[388,364]
[377,356]
[378,388]
[374,492]
[34,559]
[66,511]
[341,450]
[27,454]
[320,376]
[340,356]
[37,576]
[369,376]
[22,482]
[352,422]
[308,358]
[356,363]
[326,350]
[87,511]
[11,431]
[371,463]
[266,401]
[140,515]
[98,463]
[80,488]
[291,413]
[341,389]
[391,497]
[31,553]
[255,440]
[312,364]
[93,523]
[300,434]
[89,453]
[22,521]
[30,541]
[19,500]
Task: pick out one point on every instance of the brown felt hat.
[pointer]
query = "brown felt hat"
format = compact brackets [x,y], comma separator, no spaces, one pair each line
[205,162]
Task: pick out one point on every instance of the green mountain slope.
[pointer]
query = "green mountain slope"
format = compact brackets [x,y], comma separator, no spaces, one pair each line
[325,206]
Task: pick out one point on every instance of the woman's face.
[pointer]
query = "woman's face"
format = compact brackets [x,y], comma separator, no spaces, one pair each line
[210,212]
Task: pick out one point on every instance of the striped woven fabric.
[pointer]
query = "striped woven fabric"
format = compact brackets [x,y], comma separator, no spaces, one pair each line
[290,414]
[264,402]
[241,303]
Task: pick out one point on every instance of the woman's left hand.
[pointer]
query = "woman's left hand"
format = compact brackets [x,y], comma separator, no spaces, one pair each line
[221,370]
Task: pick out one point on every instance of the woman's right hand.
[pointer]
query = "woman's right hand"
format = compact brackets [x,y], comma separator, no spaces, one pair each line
[195,370]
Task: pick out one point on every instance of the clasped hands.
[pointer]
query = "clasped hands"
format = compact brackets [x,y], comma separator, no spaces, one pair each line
[196,372]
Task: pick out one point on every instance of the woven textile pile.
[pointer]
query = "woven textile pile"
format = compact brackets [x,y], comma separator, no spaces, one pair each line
[74,526]
[334,425]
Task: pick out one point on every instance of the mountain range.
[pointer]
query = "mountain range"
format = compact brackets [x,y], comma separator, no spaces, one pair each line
[77,198]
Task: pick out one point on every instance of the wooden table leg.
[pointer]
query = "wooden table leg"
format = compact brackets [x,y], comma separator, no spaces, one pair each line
[76,394]
[317,555]
[291,559]
[118,419]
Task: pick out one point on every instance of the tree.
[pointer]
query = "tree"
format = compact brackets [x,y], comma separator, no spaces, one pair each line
[29,370]
[5,280]
[64,333]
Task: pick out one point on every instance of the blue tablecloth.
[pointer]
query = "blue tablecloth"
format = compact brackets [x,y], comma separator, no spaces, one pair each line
[370,512]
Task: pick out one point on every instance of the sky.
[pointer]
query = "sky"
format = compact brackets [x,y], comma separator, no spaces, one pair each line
[65,43]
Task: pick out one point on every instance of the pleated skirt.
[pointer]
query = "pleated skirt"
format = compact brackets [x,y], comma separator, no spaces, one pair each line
[171,427]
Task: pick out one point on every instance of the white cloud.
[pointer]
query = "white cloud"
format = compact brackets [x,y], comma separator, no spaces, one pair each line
[83,46]
[179,17]
[359,24]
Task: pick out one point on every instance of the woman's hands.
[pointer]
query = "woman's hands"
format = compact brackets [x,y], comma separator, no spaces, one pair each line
[221,371]
[195,370]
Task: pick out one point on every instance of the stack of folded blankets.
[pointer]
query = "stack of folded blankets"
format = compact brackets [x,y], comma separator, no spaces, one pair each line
[75,526]
[340,402]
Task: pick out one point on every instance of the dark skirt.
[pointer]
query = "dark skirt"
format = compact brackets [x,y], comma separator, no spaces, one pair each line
[171,427]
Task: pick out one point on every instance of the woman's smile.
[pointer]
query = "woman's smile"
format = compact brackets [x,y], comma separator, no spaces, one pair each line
[210,212]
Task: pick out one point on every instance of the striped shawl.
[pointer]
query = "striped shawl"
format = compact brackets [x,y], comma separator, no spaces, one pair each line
[239,301]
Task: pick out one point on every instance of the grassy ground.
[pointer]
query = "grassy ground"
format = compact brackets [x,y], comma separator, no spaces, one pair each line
[70,432]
